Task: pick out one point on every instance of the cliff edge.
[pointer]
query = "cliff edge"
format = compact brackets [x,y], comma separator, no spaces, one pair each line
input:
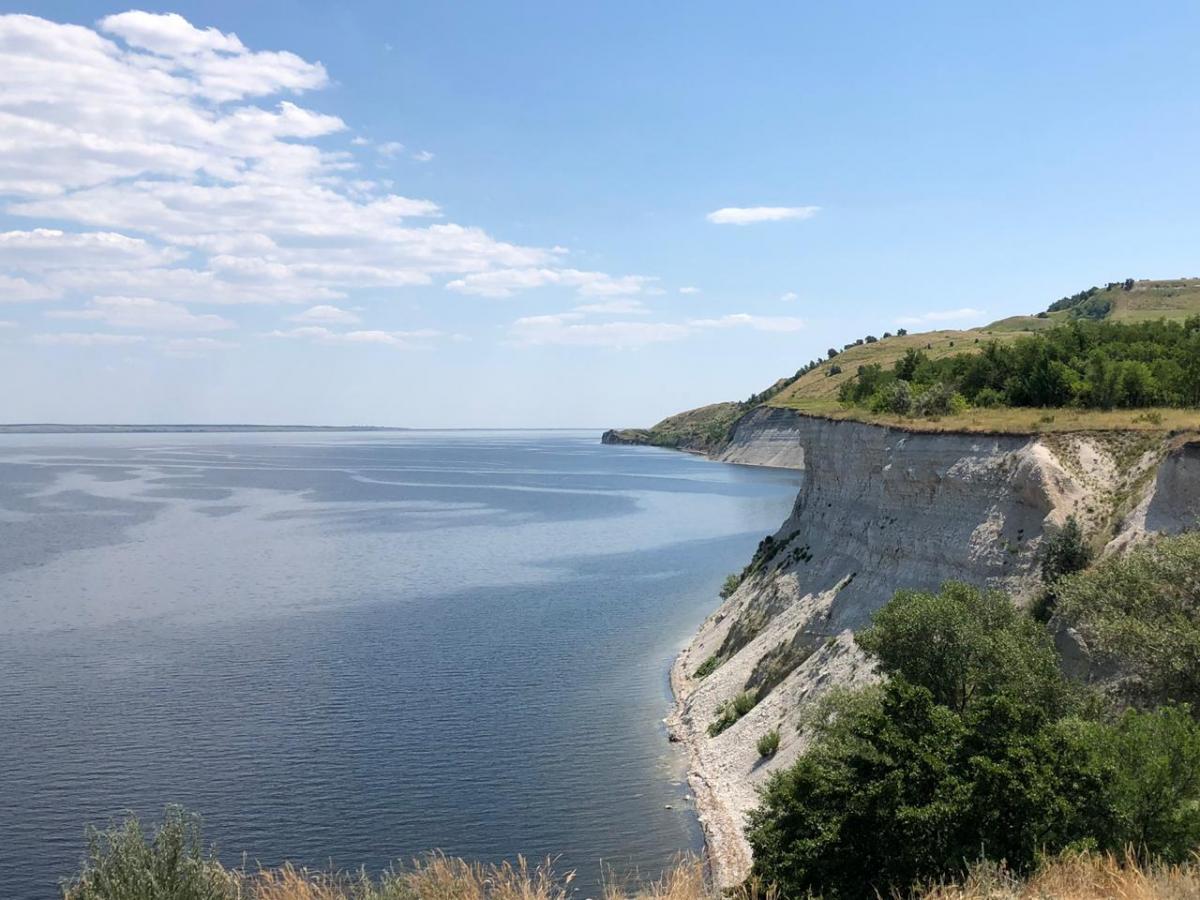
[882,509]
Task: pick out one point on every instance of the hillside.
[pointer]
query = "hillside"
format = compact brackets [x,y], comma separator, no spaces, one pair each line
[814,389]
[698,430]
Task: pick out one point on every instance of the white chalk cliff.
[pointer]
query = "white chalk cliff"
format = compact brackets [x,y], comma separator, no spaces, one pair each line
[881,509]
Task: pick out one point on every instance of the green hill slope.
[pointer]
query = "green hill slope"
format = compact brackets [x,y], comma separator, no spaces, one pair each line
[814,389]
[816,392]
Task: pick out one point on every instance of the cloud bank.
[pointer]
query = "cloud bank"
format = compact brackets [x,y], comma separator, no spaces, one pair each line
[166,163]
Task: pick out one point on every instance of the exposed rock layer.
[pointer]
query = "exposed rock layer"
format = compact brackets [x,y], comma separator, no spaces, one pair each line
[882,509]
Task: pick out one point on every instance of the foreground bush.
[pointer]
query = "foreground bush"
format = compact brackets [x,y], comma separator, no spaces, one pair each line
[122,863]
[974,748]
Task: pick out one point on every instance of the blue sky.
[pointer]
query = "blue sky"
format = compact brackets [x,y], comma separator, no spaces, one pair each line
[503,214]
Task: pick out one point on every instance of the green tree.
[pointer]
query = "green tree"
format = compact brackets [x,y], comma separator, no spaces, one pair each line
[1142,611]
[900,790]
[907,366]
[1156,792]
[974,747]
[962,643]
[1064,551]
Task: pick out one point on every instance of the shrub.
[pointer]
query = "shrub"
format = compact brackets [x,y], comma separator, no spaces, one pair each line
[937,400]
[1063,552]
[707,667]
[1142,611]
[902,790]
[1155,790]
[975,748]
[730,711]
[729,585]
[989,398]
[121,864]
[896,398]
[768,743]
[962,644]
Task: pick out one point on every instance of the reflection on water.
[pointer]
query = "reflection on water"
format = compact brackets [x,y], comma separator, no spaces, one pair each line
[353,648]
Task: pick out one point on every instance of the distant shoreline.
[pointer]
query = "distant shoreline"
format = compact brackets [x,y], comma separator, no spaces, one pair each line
[52,428]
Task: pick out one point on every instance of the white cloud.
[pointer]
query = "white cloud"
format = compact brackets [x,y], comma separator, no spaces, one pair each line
[193,348]
[574,328]
[220,66]
[422,156]
[175,162]
[625,306]
[327,314]
[789,296]
[321,334]
[390,149]
[169,35]
[689,290]
[745,320]
[746,215]
[945,315]
[18,290]
[566,329]
[145,314]
[43,249]
[5,323]
[85,339]
[506,282]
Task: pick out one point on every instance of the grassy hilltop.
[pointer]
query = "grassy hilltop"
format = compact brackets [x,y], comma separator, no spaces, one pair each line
[816,387]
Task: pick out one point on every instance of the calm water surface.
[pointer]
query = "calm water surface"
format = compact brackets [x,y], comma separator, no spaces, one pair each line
[352,648]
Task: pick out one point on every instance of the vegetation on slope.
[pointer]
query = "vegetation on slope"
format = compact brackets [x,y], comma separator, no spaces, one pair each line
[817,386]
[1141,612]
[977,747]
[1089,365]
[1116,399]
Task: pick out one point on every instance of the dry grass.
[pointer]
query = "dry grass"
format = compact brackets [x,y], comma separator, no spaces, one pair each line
[436,877]
[1010,420]
[1077,877]
[820,385]
[433,877]
[815,393]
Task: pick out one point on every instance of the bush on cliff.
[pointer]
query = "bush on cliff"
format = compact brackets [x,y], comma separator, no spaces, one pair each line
[729,585]
[768,743]
[1142,611]
[1064,552]
[730,711]
[974,748]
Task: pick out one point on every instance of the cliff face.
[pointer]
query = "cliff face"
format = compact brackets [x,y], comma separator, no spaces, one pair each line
[882,509]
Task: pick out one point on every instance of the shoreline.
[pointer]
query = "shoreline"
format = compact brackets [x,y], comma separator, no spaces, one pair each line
[726,851]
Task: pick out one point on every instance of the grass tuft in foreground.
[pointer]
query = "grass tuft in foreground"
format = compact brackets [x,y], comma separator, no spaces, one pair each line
[125,863]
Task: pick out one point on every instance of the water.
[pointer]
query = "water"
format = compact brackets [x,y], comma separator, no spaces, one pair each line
[345,649]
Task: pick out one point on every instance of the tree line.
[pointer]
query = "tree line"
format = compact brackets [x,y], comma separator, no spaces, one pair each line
[1086,364]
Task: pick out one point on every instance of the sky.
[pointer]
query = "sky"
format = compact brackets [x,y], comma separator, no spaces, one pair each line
[557,214]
